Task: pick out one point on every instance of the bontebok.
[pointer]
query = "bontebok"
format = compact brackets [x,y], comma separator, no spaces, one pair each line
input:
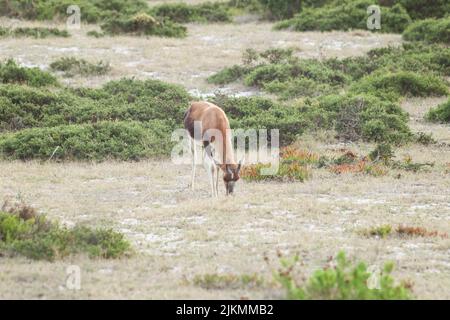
[208,125]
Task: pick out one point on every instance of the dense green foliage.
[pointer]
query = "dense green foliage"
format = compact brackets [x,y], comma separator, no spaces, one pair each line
[122,140]
[429,30]
[342,281]
[10,72]
[422,9]
[91,10]
[183,13]
[346,15]
[440,113]
[71,66]
[125,119]
[404,83]
[281,9]
[37,32]
[22,232]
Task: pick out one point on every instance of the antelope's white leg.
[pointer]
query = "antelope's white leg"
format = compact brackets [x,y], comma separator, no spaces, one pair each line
[194,156]
[217,180]
[209,167]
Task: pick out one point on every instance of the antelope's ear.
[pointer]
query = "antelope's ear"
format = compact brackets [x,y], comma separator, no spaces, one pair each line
[217,163]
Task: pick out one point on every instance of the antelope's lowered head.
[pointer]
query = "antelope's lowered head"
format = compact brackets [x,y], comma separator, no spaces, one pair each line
[230,176]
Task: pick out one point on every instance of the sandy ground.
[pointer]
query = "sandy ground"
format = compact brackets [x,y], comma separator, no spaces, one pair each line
[178,234]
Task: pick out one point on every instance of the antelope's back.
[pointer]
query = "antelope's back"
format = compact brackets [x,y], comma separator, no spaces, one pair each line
[210,115]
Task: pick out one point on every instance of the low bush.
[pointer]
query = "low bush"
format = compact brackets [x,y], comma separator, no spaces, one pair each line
[346,15]
[92,11]
[342,280]
[36,32]
[361,116]
[122,100]
[183,13]
[10,72]
[422,9]
[36,237]
[100,141]
[228,75]
[72,66]
[393,85]
[279,72]
[280,9]
[429,30]
[440,113]
[262,113]
[143,24]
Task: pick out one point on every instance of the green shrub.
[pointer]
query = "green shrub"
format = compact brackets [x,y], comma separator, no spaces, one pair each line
[71,66]
[281,9]
[421,9]
[440,113]
[10,72]
[346,15]
[261,113]
[361,116]
[429,30]
[383,152]
[92,11]
[343,281]
[40,239]
[183,13]
[228,75]
[122,100]
[36,32]
[143,24]
[393,85]
[99,141]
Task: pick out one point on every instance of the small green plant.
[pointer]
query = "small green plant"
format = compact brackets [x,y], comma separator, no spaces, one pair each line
[24,232]
[71,66]
[441,113]
[425,138]
[429,30]
[11,72]
[380,231]
[341,281]
[382,153]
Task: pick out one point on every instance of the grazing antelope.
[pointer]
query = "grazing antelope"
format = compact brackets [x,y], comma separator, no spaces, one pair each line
[209,125]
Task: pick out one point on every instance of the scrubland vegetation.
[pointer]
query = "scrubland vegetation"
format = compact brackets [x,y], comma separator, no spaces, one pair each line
[357,101]
[25,232]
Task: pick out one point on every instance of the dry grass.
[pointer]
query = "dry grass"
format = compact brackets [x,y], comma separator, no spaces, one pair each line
[180,234]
